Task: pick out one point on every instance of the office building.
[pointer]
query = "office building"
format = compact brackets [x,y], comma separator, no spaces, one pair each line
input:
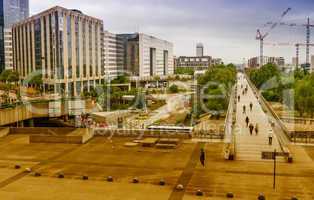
[255,61]
[295,61]
[146,55]
[11,11]
[197,63]
[199,50]
[64,46]
[113,55]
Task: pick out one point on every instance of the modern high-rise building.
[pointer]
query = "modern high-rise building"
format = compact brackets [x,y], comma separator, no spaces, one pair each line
[146,55]
[11,11]
[113,55]
[64,46]
[199,50]
[255,61]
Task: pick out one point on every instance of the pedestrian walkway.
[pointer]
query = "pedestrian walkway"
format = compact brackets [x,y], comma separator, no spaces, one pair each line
[250,147]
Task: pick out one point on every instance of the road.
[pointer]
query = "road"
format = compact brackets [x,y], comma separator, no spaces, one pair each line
[250,147]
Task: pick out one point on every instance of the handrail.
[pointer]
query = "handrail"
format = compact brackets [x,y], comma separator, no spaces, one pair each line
[229,137]
[268,108]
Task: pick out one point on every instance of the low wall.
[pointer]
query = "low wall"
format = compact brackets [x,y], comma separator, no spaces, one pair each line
[42,130]
[139,132]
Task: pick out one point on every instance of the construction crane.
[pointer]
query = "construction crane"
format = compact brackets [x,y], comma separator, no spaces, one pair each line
[261,36]
[308,26]
[297,45]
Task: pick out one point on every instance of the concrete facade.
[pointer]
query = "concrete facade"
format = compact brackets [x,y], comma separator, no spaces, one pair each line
[113,55]
[199,63]
[8,51]
[199,50]
[64,46]
[146,55]
[255,61]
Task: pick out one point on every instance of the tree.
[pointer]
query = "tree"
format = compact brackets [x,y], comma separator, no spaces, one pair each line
[173,89]
[13,77]
[120,80]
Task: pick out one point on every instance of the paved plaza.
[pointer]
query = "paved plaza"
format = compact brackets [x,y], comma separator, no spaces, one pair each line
[101,158]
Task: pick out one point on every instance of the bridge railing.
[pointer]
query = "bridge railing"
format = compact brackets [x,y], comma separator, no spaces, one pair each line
[230,147]
[266,107]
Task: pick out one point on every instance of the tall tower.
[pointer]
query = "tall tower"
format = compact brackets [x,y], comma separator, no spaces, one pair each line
[11,12]
[199,50]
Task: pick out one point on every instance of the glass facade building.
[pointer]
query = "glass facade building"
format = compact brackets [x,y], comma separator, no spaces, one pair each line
[11,11]
[67,49]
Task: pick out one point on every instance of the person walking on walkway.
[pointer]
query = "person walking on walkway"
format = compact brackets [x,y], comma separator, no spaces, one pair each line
[239,98]
[244,109]
[247,120]
[270,137]
[251,127]
[256,129]
[251,106]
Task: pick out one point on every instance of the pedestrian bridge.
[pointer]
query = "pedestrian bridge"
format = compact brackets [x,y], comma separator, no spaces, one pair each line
[242,145]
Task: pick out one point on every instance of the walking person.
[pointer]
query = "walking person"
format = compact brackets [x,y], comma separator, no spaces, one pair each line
[251,127]
[256,129]
[270,137]
[239,98]
[202,157]
[247,120]
[251,106]
[244,109]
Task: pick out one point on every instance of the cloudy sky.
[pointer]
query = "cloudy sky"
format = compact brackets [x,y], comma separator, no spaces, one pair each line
[227,28]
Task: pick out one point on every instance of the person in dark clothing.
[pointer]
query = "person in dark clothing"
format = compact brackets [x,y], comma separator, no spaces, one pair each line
[256,128]
[239,98]
[251,106]
[244,109]
[202,157]
[251,127]
[247,120]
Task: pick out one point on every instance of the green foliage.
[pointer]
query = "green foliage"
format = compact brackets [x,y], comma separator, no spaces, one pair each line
[120,80]
[173,89]
[36,80]
[216,83]
[304,95]
[271,95]
[184,70]
[9,76]
[264,74]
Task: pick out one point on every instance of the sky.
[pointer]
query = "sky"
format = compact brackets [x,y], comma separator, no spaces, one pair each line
[227,28]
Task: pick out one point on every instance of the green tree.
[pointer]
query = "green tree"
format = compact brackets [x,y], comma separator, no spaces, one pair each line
[173,88]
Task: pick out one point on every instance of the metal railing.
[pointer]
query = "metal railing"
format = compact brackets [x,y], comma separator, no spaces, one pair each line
[230,146]
[266,107]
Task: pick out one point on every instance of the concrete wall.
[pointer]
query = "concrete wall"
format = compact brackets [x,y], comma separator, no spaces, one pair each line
[144,133]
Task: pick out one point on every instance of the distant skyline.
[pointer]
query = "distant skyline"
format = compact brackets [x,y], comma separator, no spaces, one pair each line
[226,28]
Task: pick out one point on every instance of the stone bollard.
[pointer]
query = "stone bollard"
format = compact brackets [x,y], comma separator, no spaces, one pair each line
[162,182]
[17,167]
[261,197]
[60,175]
[136,180]
[290,159]
[109,179]
[180,187]
[28,170]
[37,174]
[229,195]
[199,193]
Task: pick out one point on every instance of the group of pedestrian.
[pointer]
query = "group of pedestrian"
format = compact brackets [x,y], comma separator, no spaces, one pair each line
[251,108]
[251,126]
